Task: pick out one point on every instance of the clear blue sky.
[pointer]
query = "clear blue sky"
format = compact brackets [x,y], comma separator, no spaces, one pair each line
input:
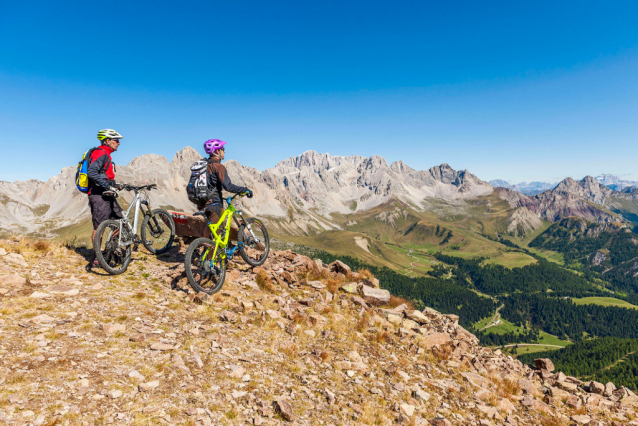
[515,90]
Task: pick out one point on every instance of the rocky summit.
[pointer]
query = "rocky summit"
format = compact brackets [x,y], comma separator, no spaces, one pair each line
[292,342]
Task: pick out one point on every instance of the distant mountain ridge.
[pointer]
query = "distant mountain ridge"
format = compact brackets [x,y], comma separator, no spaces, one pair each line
[302,191]
[301,194]
[533,188]
[527,188]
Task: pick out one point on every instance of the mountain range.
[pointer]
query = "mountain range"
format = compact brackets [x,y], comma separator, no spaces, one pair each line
[532,188]
[312,192]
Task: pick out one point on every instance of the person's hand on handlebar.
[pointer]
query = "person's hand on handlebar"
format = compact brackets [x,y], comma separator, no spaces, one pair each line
[249,193]
[111,192]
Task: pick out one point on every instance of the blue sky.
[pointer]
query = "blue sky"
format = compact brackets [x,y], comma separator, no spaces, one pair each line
[514,90]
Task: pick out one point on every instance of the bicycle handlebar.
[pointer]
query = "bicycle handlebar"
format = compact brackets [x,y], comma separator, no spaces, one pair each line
[229,201]
[127,187]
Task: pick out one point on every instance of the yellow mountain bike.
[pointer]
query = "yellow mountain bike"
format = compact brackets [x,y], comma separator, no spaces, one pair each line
[206,259]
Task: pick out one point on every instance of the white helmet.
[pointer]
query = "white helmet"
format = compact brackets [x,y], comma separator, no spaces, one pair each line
[108,134]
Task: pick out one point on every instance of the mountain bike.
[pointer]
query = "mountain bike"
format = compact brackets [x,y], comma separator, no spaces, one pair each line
[115,238]
[207,259]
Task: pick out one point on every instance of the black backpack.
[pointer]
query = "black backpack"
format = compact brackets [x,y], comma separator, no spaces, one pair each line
[197,188]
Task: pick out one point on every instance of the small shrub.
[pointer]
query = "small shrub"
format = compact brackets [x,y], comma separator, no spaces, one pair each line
[265,282]
[398,301]
[383,336]
[510,387]
[42,246]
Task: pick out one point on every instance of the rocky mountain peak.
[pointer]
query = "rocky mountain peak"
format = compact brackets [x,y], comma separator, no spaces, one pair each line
[587,188]
[187,155]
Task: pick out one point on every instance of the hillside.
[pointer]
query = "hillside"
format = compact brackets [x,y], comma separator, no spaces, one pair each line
[287,343]
[608,251]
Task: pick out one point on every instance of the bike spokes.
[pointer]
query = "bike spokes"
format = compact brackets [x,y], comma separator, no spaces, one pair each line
[109,252]
[205,271]
[158,231]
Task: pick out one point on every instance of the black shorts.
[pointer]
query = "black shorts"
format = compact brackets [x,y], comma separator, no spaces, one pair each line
[103,208]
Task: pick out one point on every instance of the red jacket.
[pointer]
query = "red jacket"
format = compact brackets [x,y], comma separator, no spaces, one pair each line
[100,170]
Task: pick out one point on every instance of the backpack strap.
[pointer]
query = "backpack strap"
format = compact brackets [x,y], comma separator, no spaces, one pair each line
[108,159]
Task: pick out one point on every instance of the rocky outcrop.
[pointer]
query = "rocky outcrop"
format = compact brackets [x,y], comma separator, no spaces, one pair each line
[280,344]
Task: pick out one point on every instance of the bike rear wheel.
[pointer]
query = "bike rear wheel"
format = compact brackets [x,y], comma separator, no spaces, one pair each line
[112,259]
[158,231]
[253,243]
[204,273]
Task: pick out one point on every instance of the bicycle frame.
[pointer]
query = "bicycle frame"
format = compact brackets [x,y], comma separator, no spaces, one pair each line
[226,218]
[135,205]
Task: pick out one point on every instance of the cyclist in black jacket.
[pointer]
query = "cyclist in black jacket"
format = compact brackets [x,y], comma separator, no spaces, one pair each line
[218,179]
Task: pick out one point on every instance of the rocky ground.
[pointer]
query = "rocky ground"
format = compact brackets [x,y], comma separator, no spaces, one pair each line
[292,342]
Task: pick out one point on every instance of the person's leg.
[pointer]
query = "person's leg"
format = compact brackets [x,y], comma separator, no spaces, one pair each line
[99,213]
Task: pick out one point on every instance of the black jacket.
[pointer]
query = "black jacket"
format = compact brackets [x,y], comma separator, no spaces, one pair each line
[218,179]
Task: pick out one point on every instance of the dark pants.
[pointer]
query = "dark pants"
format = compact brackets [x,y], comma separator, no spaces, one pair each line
[103,208]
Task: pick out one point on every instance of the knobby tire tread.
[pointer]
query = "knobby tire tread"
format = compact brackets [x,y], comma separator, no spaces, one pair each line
[189,272]
[98,252]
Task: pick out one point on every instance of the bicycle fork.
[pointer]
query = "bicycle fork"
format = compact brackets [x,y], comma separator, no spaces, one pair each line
[250,229]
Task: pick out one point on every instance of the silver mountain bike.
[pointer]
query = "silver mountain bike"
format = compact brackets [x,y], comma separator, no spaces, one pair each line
[116,238]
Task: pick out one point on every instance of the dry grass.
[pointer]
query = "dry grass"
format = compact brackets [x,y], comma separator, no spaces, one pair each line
[508,388]
[383,337]
[444,352]
[325,356]
[41,246]
[553,421]
[363,323]
[333,284]
[398,301]
[289,348]
[373,414]
[265,282]
[300,319]
[365,274]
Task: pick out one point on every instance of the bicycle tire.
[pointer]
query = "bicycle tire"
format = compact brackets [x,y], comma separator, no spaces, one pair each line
[162,216]
[245,242]
[110,257]
[192,261]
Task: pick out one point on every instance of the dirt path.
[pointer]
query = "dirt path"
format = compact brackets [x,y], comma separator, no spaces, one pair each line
[418,259]
[530,344]
[495,319]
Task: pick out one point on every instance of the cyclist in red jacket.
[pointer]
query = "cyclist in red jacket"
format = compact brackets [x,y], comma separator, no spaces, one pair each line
[102,186]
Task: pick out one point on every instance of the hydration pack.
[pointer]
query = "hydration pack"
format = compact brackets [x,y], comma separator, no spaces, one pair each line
[197,188]
[81,174]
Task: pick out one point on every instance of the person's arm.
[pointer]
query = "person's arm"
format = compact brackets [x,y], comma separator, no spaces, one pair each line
[95,173]
[225,179]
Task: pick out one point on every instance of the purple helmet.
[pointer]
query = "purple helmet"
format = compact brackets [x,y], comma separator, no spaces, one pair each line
[212,145]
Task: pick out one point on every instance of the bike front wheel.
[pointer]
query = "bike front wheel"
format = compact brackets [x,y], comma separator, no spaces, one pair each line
[112,259]
[203,272]
[158,231]
[253,242]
